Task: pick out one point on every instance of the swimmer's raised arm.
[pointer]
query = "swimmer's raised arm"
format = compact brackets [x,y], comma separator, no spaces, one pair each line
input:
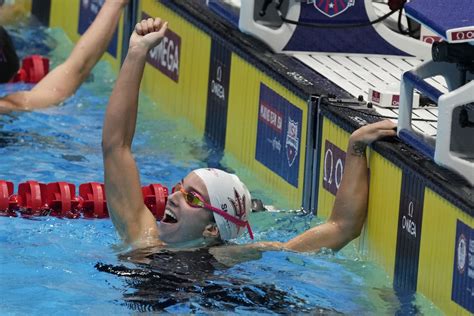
[132,219]
[66,78]
[350,207]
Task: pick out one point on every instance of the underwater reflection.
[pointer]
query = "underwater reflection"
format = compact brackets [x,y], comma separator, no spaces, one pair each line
[195,281]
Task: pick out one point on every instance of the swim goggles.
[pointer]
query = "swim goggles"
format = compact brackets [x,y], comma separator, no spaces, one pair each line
[194,199]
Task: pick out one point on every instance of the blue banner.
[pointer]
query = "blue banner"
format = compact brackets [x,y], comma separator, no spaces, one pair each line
[463,272]
[279,135]
[88,10]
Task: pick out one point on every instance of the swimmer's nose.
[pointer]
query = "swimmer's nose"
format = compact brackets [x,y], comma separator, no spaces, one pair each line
[172,199]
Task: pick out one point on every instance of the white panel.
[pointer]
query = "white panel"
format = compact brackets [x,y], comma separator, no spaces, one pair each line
[356,74]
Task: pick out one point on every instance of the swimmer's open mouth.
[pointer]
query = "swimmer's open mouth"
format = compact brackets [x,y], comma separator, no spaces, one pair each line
[169,217]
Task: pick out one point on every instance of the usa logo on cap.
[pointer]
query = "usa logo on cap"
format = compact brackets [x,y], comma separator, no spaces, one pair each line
[332,8]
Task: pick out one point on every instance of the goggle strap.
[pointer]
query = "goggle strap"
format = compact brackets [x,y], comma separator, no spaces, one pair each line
[250,230]
[231,218]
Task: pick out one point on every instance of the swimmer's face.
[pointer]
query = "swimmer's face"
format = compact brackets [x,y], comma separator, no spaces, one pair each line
[182,222]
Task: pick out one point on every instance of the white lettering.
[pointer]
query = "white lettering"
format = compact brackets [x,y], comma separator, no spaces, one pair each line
[326,160]
[338,175]
[167,55]
[218,90]
[299,78]
[359,120]
[471,245]
[276,144]
[271,117]
[164,52]
[411,207]
[409,226]
[279,122]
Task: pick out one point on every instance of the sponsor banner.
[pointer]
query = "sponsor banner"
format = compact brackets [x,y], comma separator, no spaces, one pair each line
[88,10]
[463,272]
[278,135]
[334,159]
[166,56]
[461,36]
[218,94]
[409,233]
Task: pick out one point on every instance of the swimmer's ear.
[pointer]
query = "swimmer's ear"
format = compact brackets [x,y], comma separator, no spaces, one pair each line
[211,231]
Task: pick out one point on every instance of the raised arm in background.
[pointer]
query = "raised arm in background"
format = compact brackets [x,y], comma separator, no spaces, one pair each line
[132,219]
[64,80]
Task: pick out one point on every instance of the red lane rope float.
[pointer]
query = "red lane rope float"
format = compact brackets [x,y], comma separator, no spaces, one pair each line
[59,199]
[33,69]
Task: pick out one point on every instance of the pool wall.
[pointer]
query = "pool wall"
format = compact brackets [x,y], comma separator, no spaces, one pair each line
[270,113]
[423,241]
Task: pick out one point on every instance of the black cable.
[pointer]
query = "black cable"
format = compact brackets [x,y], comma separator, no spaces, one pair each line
[400,26]
[335,26]
[409,31]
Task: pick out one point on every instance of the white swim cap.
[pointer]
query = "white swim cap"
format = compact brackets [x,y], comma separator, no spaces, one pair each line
[229,194]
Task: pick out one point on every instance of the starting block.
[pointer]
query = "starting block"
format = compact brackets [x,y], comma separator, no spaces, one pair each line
[453,59]
[334,33]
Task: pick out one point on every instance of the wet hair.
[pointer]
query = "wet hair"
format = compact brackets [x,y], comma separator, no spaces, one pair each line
[9,62]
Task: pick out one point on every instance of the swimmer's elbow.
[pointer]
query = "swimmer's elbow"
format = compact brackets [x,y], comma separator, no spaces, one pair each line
[350,232]
[109,146]
[106,147]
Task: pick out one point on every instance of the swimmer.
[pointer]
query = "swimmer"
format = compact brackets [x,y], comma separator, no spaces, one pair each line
[66,78]
[210,206]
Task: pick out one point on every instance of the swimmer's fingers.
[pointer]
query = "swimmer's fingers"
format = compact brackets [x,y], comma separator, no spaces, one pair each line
[150,33]
[144,26]
[148,26]
[384,124]
[372,132]
[386,133]
[139,29]
[157,24]
[157,32]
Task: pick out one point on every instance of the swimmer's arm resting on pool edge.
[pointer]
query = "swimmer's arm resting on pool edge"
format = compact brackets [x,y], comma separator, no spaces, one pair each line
[132,219]
[350,207]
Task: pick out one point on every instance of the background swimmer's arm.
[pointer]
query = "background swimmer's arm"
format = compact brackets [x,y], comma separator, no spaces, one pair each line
[350,207]
[66,78]
[7,105]
[132,219]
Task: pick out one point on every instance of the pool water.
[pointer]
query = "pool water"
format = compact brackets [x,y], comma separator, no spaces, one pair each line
[76,267]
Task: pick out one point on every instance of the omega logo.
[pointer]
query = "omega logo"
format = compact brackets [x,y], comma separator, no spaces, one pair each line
[329,169]
[217,88]
[409,224]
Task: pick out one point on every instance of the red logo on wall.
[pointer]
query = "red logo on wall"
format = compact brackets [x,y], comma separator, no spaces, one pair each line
[271,117]
[396,100]
[375,96]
